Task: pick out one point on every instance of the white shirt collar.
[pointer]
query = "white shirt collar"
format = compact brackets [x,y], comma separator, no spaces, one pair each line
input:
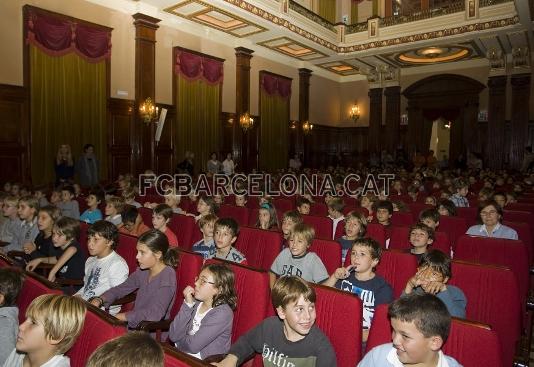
[394,359]
[484,229]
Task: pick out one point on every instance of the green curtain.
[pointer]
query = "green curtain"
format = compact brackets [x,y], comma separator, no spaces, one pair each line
[274,142]
[198,127]
[68,106]
[327,10]
[353,12]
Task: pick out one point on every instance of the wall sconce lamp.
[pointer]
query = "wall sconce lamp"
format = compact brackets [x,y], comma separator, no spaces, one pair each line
[148,111]
[355,112]
[246,122]
[307,127]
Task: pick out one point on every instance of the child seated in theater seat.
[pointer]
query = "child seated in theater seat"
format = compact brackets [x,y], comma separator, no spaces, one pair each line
[430,217]
[206,205]
[461,190]
[53,323]
[421,325]
[154,281]
[10,286]
[132,349]
[114,208]
[161,217]
[367,202]
[104,269]
[383,211]
[433,273]
[355,228]
[128,194]
[92,213]
[68,205]
[290,338]
[206,246]
[296,260]
[203,326]
[132,222]
[335,212]
[303,205]
[267,217]
[241,200]
[360,278]
[225,233]
[289,221]
[421,237]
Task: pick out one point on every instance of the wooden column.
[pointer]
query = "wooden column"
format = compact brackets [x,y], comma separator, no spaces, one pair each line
[242,104]
[415,121]
[470,125]
[375,119]
[304,108]
[392,117]
[145,86]
[520,115]
[496,115]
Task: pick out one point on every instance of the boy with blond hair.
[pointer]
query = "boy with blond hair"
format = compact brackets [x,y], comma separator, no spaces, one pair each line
[296,260]
[290,338]
[206,246]
[53,323]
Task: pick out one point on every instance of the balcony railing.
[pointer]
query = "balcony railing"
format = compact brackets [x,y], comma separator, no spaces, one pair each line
[356,27]
[311,15]
[455,7]
[484,3]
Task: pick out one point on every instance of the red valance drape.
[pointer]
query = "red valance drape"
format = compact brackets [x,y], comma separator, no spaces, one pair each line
[275,85]
[193,67]
[56,37]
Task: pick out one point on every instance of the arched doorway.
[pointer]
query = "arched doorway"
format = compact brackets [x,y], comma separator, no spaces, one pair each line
[448,96]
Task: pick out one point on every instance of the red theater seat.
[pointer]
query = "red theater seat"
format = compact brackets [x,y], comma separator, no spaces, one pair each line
[329,252]
[146,215]
[319,209]
[524,233]
[127,248]
[492,298]
[400,240]
[283,205]
[453,226]
[376,232]
[240,214]
[471,343]
[99,327]
[259,246]
[416,209]
[339,316]
[175,358]
[322,225]
[470,214]
[33,287]
[396,268]
[404,219]
[184,227]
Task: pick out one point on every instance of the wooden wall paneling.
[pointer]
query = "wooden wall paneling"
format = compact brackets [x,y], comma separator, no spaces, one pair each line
[227,121]
[14,134]
[121,133]
[520,115]
[242,102]
[496,115]
[164,150]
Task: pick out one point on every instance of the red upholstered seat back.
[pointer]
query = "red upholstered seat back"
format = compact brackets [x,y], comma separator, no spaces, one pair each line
[510,253]
[453,226]
[404,219]
[472,344]
[376,232]
[470,214]
[400,240]
[492,298]
[396,268]
[253,297]
[524,233]
[98,328]
[146,215]
[183,227]
[188,268]
[127,249]
[175,358]
[240,214]
[319,209]
[339,316]
[322,226]
[259,246]
[283,204]
[329,252]
[416,209]
[33,287]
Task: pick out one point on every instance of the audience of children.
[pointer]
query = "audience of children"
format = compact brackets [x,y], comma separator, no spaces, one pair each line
[10,286]
[291,337]
[206,246]
[203,326]
[161,217]
[433,273]
[296,260]
[355,228]
[27,231]
[92,213]
[154,281]
[360,279]
[421,325]
[225,233]
[52,325]
[43,246]
[104,269]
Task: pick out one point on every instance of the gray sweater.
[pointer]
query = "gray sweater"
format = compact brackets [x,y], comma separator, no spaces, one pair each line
[9,327]
[213,336]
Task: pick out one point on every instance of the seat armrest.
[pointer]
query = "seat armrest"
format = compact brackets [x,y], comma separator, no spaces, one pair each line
[126,299]
[151,326]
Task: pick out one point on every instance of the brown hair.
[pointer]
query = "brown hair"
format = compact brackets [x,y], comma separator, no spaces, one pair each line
[68,226]
[288,289]
[157,241]
[225,282]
